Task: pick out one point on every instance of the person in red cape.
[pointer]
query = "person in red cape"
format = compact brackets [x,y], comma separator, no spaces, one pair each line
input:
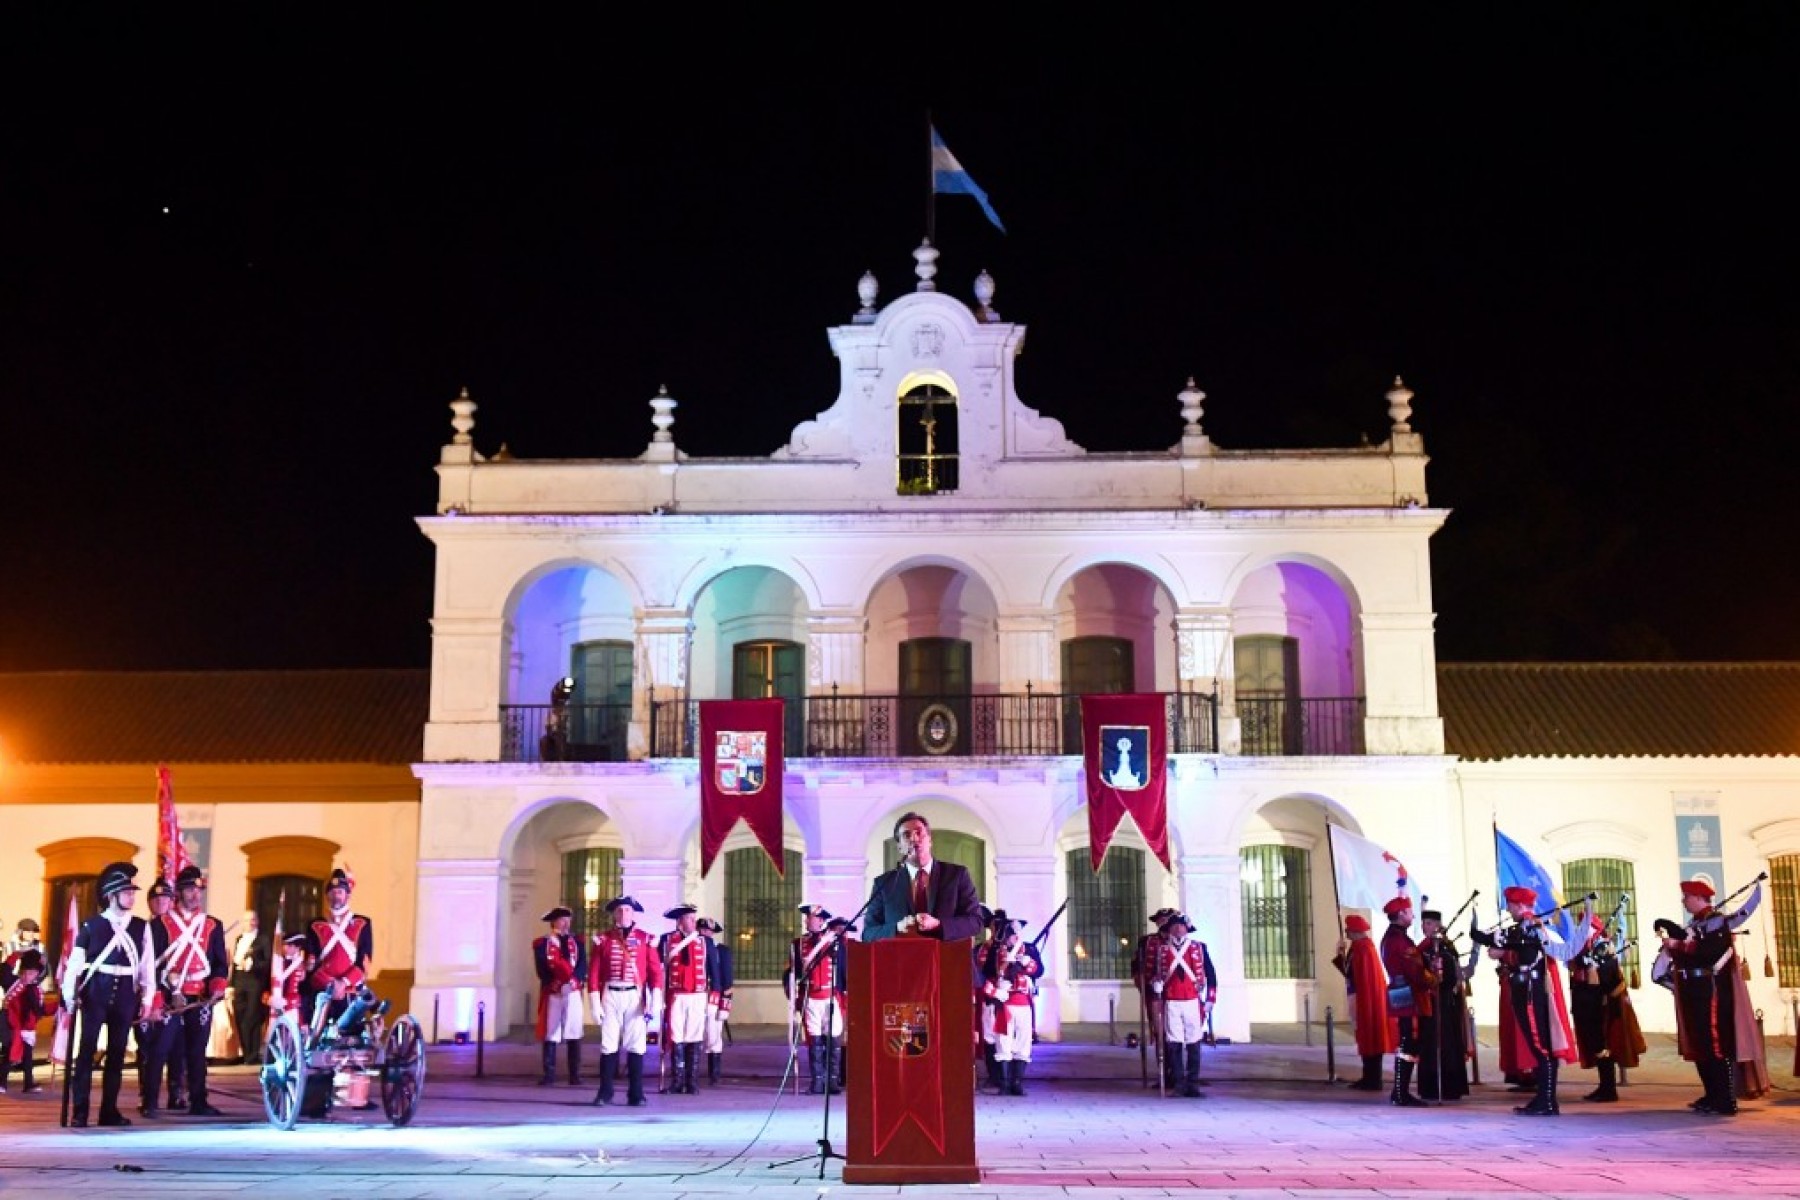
[1409,1005]
[1710,1001]
[561,964]
[1528,952]
[1360,962]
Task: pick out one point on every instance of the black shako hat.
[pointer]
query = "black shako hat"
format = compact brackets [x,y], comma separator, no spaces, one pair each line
[115,878]
[190,876]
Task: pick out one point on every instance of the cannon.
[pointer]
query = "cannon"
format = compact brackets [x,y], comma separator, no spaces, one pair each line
[335,1061]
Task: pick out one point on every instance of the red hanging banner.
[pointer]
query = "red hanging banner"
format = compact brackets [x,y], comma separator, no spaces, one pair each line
[1125,749]
[909,1059]
[740,775]
[171,854]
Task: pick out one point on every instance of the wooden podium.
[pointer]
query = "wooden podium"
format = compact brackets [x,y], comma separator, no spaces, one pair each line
[911,1074]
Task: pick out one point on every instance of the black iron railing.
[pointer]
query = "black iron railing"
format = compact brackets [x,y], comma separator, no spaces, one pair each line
[1010,724]
[1277,727]
[564,732]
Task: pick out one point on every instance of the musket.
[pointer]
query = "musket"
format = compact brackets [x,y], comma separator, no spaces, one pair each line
[1037,943]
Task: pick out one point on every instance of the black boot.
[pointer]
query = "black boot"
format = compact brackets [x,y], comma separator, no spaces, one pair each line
[609,1066]
[1015,1077]
[1402,1093]
[1176,1061]
[1191,1067]
[1544,1103]
[690,1055]
[996,1073]
[713,1067]
[549,1076]
[574,1053]
[634,1080]
[1371,1074]
[834,1067]
[1608,1091]
[1723,1093]
[815,1063]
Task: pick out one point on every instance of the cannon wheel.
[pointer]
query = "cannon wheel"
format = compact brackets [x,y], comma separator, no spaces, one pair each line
[402,1070]
[283,1071]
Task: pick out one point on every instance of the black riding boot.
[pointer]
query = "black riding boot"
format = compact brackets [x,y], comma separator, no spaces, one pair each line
[1015,1077]
[1724,1090]
[1608,1091]
[690,1055]
[1176,1061]
[834,1066]
[996,1070]
[634,1080]
[1371,1074]
[549,1076]
[713,1068]
[574,1053]
[1191,1068]
[609,1067]
[1402,1093]
[815,1062]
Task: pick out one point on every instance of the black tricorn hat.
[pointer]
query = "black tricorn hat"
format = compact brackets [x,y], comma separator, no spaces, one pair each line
[560,910]
[115,878]
[709,925]
[842,923]
[1160,916]
[814,910]
[625,901]
[679,911]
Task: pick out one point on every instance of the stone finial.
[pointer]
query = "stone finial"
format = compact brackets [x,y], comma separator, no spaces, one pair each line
[1399,400]
[984,296]
[867,288]
[462,419]
[662,416]
[1193,438]
[926,257]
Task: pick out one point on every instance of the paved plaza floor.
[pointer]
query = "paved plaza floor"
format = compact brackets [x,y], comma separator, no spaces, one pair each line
[1269,1125]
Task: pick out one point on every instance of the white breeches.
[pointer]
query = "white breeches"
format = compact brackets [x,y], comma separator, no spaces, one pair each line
[687,1017]
[715,1029]
[562,1017]
[621,1017]
[814,1016]
[1015,1041]
[1182,1021]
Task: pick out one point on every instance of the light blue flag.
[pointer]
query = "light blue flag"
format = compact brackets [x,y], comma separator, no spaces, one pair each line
[1516,868]
[948,176]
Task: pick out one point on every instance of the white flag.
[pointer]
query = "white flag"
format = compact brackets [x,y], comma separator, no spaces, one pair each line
[1367,875]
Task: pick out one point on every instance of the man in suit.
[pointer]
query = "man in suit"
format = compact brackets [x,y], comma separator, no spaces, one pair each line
[922,896]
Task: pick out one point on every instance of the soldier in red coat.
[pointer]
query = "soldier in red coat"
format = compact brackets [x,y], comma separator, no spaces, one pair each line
[819,993]
[687,976]
[194,971]
[21,1010]
[625,980]
[1408,1005]
[1183,979]
[1366,982]
[285,974]
[1008,985]
[339,948]
[562,974]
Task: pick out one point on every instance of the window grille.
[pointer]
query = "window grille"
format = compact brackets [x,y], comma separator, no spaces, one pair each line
[589,879]
[295,900]
[963,849]
[1106,912]
[761,911]
[1609,878]
[1277,894]
[1784,903]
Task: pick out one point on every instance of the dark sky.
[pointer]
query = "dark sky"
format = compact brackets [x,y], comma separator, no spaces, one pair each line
[1573,233]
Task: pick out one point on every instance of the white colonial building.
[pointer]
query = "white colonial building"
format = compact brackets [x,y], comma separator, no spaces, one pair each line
[929,573]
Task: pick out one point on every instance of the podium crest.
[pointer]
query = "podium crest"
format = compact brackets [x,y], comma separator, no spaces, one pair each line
[906,1030]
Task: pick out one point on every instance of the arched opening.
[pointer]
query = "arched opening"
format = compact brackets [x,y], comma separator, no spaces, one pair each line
[933,665]
[927,436]
[569,677]
[564,854]
[1115,634]
[1297,664]
[750,643]
[1288,911]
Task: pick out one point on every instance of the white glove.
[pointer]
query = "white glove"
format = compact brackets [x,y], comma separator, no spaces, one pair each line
[1156,986]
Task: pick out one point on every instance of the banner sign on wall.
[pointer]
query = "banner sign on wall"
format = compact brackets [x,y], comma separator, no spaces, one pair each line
[1699,842]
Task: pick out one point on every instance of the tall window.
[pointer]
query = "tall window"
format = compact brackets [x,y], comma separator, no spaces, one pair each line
[1093,666]
[927,440]
[589,879]
[1268,694]
[600,710]
[936,676]
[963,849]
[86,891]
[1610,878]
[1106,912]
[295,900]
[1784,902]
[761,911]
[1277,891]
[771,670]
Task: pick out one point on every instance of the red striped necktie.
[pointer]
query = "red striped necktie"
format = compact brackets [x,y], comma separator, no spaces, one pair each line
[921,886]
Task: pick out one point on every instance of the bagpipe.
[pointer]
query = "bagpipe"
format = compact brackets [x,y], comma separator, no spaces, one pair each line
[1491,936]
[1721,920]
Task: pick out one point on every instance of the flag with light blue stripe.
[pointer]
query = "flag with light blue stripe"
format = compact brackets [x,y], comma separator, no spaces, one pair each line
[1516,868]
[948,177]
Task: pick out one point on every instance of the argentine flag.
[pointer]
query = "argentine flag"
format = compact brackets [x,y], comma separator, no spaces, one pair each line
[948,177]
[1516,868]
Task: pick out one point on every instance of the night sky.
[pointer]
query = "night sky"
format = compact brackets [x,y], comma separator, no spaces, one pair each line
[246,262]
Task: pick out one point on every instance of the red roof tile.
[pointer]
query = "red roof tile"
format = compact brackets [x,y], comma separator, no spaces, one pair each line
[214,716]
[1616,710]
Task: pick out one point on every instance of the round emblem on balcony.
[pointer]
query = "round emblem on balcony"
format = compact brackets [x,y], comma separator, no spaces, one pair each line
[937,729]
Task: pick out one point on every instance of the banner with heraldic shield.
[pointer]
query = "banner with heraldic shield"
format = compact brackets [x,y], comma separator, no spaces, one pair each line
[741,761]
[906,1029]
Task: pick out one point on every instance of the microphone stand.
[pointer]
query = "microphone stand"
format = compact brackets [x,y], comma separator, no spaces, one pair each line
[838,970]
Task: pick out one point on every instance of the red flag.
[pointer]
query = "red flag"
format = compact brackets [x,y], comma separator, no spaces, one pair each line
[65,1011]
[171,854]
[1125,748]
[280,909]
[740,775]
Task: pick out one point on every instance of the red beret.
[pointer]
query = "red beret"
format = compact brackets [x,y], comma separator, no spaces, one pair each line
[1395,905]
[1597,923]
[1356,923]
[1520,895]
[1697,887]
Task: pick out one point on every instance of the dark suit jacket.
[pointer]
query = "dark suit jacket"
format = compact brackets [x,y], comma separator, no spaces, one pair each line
[952,901]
